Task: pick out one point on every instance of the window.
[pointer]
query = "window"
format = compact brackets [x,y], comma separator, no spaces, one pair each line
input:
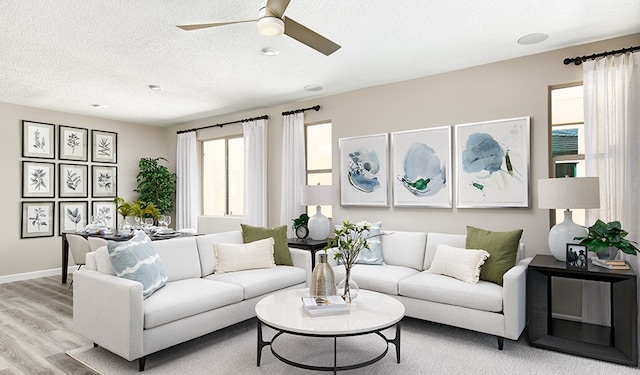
[319,161]
[567,138]
[223,176]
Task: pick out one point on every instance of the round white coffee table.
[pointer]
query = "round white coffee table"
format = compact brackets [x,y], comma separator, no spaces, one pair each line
[370,313]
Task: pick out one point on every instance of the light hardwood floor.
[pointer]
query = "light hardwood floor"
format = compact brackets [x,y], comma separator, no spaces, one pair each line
[36,328]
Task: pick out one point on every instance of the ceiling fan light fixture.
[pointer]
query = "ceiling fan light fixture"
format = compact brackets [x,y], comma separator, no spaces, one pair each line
[271,26]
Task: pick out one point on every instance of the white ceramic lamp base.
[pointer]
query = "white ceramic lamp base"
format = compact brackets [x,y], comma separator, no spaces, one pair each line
[563,233]
[318,225]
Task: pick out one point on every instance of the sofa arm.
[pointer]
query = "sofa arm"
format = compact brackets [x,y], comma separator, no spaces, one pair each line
[514,299]
[302,258]
[108,310]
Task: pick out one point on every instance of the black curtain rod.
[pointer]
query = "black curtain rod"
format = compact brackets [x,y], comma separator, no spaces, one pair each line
[315,108]
[580,59]
[263,117]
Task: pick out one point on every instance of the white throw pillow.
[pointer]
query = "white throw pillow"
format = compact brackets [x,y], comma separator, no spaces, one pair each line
[232,257]
[463,264]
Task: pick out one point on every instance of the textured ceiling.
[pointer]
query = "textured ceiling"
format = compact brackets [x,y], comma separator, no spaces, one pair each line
[68,55]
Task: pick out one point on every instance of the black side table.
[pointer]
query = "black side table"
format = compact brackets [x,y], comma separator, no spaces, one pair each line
[310,245]
[618,343]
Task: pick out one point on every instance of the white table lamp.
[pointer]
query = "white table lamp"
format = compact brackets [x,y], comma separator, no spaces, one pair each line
[318,195]
[567,193]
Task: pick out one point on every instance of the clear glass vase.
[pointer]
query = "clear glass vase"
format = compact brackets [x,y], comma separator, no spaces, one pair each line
[348,289]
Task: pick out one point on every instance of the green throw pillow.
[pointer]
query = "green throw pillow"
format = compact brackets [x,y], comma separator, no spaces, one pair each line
[281,253]
[502,247]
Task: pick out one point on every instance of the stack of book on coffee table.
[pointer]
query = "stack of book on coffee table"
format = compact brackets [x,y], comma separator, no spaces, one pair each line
[610,264]
[326,305]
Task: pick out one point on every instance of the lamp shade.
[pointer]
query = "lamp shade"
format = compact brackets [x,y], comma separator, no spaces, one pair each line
[569,193]
[318,195]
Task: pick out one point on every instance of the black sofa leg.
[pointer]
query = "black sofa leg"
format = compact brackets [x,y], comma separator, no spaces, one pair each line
[500,342]
[141,362]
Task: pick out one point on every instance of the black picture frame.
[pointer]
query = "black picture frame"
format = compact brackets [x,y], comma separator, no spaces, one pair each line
[104,181]
[38,140]
[38,219]
[104,146]
[73,181]
[73,143]
[577,257]
[38,179]
[72,216]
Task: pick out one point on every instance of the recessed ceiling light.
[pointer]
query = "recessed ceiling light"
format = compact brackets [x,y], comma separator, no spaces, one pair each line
[155,87]
[533,38]
[313,88]
[96,105]
[268,51]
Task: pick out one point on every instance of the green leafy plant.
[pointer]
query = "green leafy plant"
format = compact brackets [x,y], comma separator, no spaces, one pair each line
[156,184]
[603,235]
[303,219]
[136,208]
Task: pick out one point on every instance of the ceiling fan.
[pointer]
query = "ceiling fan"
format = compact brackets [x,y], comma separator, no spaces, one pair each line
[271,22]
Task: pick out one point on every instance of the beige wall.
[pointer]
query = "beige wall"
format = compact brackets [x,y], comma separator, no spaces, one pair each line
[513,88]
[19,256]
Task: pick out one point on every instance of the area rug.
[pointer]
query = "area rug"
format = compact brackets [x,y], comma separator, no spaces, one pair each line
[426,348]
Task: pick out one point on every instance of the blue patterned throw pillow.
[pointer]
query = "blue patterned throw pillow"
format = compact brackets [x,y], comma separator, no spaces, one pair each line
[138,260]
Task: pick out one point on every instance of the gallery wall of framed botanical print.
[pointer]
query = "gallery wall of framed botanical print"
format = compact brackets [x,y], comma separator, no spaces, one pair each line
[67,174]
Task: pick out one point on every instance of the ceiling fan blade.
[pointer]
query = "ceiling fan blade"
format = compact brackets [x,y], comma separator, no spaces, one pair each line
[309,37]
[207,25]
[278,6]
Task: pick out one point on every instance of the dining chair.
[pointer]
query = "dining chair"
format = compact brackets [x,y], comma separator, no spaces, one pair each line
[78,247]
[96,242]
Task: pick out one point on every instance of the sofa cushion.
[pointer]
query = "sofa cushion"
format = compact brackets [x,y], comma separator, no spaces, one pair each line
[231,257]
[179,257]
[103,261]
[183,298]
[434,238]
[484,295]
[463,264]
[259,282]
[503,247]
[281,252]
[383,279]
[137,259]
[205,248]
[404,249]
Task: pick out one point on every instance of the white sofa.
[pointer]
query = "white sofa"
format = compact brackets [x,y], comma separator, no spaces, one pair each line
[111,311]
[484,307]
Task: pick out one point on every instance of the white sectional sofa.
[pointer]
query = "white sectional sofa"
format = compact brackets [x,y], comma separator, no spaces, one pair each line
[111,311]
[484,307]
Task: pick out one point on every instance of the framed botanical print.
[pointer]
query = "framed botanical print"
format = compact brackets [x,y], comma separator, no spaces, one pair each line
[364,170]
[104,181]
[73,143]
[104,147]
[73,216]
[73,181]
[38,179]
[38,140]
[37,219]
[103,213]
[493,163]
[421,167]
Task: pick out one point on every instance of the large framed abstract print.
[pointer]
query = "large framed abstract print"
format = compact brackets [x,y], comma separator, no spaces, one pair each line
[421,167]
[364,170]
[492,163]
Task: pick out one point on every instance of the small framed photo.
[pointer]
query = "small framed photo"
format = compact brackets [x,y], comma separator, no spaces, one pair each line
[73,143]
[103,213]
[38,140]
[73,181]
[37,219]
[104,148]
[577,256]
[38,179]
[73,216]
[104,181]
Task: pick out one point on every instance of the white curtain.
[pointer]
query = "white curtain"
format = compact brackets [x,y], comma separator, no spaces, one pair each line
[187,184]
[255,173]
[612,152]
[293,169]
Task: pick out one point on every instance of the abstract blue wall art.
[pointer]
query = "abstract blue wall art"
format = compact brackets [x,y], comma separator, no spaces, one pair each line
[421,165]
[493,163]
[364,170]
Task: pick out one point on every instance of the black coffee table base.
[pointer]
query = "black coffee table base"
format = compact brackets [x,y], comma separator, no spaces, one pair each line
[335,368]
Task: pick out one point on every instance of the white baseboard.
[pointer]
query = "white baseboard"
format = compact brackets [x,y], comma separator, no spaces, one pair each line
[35,275]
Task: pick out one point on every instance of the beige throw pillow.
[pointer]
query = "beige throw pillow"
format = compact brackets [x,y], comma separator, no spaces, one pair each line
[463,264]
[232,257]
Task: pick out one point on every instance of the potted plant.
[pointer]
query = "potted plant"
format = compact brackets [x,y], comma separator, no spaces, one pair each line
[156,184]
[604,237]
[136,208]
